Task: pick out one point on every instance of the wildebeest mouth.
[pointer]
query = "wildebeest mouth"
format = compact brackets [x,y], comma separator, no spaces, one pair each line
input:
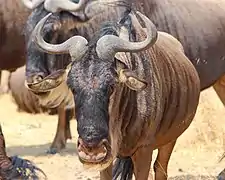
[48,83]
[98,157]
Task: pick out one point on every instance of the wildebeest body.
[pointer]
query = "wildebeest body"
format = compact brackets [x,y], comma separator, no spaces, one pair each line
[166,108]
[13,16]
[199,26]
[148,119]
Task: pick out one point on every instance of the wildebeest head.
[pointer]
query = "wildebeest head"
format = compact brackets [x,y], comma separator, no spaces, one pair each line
[94,77]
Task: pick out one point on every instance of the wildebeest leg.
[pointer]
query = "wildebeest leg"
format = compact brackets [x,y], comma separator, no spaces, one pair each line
[142,162]
[69,116]
[62,132]
[5,75]
[219,87]
[106,174]
[161,162]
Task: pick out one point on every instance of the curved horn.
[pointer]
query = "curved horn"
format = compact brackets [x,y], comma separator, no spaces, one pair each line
[75,45]
[32,4]
[109,45]
[66,5]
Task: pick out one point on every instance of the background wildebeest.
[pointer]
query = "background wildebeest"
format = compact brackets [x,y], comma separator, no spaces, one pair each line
[129,104]
[56,97]
[12,19]
[13,15]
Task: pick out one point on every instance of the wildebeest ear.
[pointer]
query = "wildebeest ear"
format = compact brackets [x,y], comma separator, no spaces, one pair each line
[120,65]
[131,80]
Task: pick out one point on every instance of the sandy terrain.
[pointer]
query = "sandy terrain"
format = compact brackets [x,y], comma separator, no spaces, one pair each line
[195,156]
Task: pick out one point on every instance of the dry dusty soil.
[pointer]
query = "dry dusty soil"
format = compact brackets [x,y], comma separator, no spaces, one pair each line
[195,156]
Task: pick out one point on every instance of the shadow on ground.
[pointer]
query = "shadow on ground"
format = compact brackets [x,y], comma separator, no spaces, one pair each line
[193,177]
[40,150]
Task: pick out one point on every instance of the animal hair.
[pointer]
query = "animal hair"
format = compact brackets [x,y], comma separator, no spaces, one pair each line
[123,168]
[112,28]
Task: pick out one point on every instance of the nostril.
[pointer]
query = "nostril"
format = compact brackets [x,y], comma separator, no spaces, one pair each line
[35,78]
[87,143]
[93,154]
[92,136]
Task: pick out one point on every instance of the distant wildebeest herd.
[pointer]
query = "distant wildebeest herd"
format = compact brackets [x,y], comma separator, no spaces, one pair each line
[129,71]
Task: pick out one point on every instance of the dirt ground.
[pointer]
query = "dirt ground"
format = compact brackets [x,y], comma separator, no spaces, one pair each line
[195,156]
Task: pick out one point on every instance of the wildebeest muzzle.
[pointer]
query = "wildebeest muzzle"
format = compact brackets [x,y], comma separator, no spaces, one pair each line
[53,90]
[95,156]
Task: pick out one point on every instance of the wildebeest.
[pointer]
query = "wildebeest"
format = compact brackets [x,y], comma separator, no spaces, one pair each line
[197,24]
[13,17]
[130,97]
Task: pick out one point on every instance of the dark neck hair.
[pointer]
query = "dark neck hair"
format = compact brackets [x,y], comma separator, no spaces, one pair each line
[112,27]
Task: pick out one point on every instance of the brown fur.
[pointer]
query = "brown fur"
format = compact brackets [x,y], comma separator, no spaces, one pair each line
[13,16]
[199,26]
[160,113]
